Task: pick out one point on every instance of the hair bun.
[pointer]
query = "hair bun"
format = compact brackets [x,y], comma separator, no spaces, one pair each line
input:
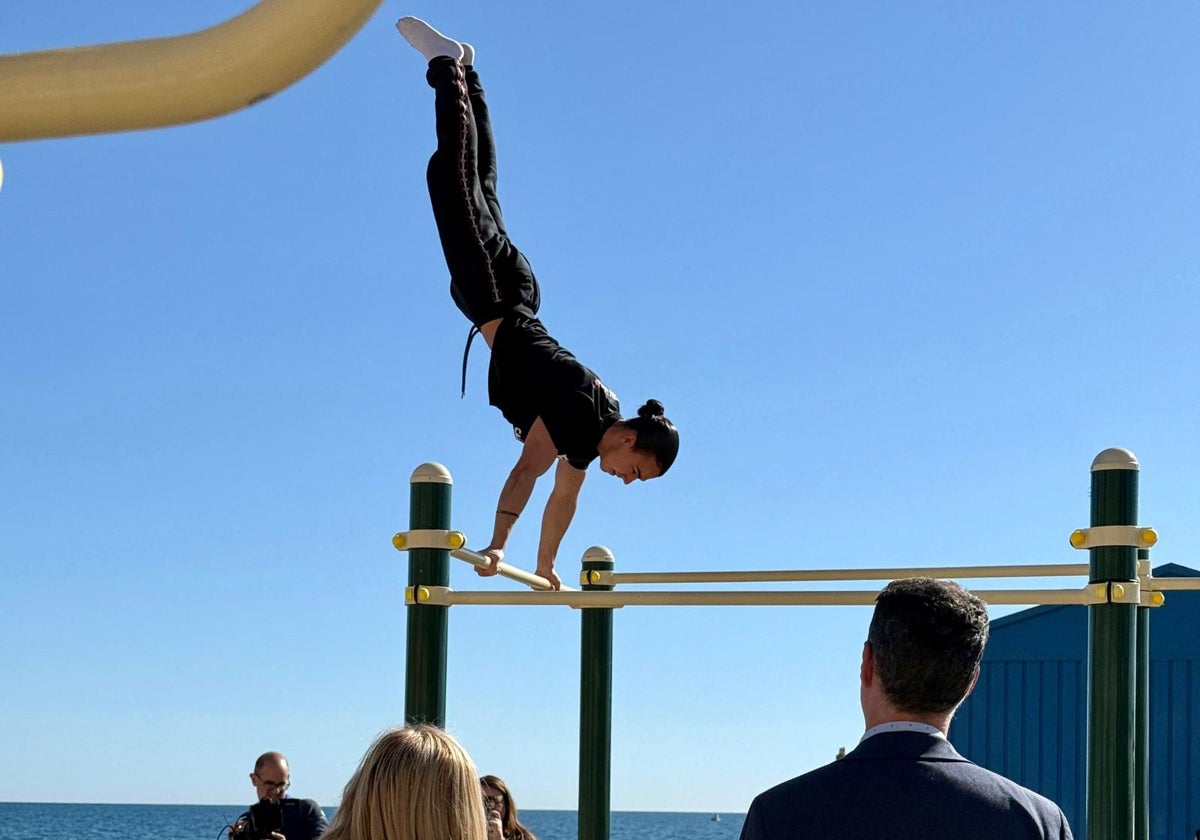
[652,408]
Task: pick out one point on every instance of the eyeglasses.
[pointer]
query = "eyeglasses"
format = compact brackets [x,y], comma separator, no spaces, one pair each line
[496,801]
[279,786]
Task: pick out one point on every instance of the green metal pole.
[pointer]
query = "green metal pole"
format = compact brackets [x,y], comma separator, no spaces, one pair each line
[595,705]
[1141,759]
[1111,656]
[425,663]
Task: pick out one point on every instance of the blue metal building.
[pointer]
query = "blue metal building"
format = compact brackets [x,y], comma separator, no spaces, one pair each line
[1026,718]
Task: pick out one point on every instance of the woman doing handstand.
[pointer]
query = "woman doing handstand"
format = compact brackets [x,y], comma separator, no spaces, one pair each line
[559,408]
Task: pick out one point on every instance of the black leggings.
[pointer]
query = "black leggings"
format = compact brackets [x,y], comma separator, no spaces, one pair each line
[488,275]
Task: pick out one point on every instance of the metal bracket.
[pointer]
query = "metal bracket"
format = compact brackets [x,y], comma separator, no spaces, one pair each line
[1114,592]
[1151,597]
[1131,536]
[429,538]
[596,577]
[426,595]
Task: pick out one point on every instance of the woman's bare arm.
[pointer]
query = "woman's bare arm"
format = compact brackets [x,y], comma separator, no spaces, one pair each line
[537,454]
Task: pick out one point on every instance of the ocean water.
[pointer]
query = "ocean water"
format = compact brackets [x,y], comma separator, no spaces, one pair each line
[40,821]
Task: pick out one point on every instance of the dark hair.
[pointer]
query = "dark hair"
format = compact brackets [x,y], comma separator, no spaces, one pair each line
[512,828]
[927,639]
[656,434]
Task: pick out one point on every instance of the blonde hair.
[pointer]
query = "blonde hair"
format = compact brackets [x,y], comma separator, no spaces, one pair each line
[414,782]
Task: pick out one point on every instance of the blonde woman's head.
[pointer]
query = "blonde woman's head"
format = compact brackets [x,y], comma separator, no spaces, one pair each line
[415,782]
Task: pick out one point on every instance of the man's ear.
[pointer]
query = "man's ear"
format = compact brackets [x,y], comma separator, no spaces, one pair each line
[866,673]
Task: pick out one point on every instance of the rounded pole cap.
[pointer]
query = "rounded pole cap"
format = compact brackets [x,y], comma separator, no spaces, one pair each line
[598,554]
[1115,459]
[431,473]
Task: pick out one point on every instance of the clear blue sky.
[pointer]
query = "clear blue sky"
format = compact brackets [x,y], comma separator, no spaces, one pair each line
[897,271]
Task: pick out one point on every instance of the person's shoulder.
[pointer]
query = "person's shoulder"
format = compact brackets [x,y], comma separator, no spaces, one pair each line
[605,399]
[302,804]
[308,820]
[786,793]
[1018,791]
[790,808]
[1006,794]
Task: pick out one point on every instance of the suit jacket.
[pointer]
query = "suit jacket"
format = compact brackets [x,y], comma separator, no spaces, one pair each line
[903,786]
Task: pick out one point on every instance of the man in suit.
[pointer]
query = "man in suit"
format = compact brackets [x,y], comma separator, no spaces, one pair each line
[904,779]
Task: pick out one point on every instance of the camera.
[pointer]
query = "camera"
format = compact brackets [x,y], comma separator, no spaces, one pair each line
[265,818]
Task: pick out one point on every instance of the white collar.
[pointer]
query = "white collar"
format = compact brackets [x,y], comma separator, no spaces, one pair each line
[903,726]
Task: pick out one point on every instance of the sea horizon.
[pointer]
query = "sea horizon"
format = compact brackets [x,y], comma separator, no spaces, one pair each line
[176,821]
[245,805]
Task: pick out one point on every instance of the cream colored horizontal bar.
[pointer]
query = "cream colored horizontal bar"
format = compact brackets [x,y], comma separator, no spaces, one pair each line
[1171,583]
[768,576]
[168,81]
[510,572]
[442,596]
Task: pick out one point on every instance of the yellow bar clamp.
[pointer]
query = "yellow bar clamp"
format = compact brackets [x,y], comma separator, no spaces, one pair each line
[1108,535]
[592,577]
[1152,598]
[1113,592]
[417,594]
[429,538]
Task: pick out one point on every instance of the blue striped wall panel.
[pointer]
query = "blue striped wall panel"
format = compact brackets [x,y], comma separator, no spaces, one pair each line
[1026,718]
[1174,748]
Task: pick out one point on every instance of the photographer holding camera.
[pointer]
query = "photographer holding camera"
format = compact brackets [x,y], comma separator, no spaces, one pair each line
[275,816]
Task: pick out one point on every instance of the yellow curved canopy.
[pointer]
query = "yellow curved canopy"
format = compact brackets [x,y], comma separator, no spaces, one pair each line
[168,81]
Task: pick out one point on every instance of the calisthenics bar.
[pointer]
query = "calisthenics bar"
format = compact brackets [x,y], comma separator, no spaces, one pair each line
[455,542]
[1117,650]
[798,575]
[1164,584]
[512,572]
[443,596]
